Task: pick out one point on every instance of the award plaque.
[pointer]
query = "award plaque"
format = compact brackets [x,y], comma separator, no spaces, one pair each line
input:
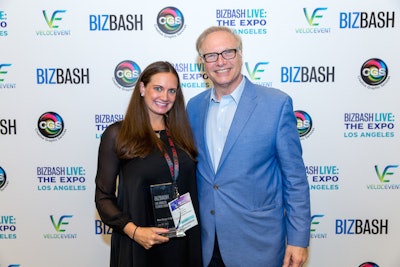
[161,195]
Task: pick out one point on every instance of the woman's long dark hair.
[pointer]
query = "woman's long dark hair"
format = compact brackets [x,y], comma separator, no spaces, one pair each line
[136,137]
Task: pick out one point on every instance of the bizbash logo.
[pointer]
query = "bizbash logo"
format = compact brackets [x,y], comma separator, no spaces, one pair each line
[8,126]
[170,22]
[60,226]
[61,178]
[192,75]
[8,227]
[3,23]
[369,125]
[3,179]
[244,21]
[366,20]
[313,19]
[323,178]
[111,22]
[374,73]
[304,124]
[101,228]
[307,74]
[362,226]
[53,22]
[102,121]
[50,126]
[57,76]
[126,74]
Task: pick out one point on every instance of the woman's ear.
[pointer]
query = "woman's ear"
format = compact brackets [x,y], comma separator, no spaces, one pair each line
[141,86]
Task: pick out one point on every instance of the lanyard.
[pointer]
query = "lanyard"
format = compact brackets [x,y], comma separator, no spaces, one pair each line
[173,165]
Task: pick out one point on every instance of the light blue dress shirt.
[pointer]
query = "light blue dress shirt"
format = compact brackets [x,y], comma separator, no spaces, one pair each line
[219,119]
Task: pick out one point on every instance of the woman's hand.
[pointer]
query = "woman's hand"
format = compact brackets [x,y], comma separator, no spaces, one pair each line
[147,237]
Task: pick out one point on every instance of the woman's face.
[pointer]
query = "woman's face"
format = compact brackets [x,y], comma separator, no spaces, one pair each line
[159,94]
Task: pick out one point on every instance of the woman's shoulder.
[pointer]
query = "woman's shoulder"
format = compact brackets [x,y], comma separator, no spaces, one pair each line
[112,130]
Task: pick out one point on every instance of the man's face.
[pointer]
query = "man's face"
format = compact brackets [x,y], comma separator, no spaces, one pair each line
[224,73]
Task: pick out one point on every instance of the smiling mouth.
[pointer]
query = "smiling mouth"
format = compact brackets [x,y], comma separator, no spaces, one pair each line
[162,104]
[222,70]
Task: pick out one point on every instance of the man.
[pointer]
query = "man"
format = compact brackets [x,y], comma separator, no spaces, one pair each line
[252,184]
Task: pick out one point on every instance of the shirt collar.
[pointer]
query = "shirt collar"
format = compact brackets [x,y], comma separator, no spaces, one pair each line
[236,94]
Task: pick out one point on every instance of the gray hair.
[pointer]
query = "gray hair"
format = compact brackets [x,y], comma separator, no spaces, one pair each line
[212,29]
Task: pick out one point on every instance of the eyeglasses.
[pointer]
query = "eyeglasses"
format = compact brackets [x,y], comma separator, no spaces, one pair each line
[226,54]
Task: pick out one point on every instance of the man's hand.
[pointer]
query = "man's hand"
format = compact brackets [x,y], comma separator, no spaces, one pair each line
[295,256]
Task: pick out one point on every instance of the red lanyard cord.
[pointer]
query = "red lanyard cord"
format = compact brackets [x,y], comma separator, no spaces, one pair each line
[172,164]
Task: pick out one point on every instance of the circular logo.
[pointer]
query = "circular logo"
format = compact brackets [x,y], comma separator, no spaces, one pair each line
[50,125]
[170,20]
[374,71]
[3,178]
[368,264]
[126,73]
[304,122]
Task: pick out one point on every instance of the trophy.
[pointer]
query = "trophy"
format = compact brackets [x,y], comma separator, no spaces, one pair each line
[161,195]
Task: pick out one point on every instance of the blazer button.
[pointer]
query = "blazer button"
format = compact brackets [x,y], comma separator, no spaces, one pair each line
[212,212]
[216,187]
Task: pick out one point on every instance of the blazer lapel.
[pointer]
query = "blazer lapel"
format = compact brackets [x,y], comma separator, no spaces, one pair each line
[203,110]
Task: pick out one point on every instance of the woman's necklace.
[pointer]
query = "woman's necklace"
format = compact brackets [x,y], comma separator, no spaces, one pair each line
[158,133]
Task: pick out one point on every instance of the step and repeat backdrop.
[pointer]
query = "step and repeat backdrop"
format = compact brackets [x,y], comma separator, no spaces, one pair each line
[68,68]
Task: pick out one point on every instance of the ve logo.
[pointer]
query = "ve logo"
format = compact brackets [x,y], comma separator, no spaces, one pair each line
[252,73]
[385,172]
[54,18]
[60,223]
[2,71]
[314,222]
[314,15]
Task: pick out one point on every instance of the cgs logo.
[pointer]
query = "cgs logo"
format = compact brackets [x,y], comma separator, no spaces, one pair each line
[3,179]
[50,126]
[170,21]
[368,264]
[304,123]
[126,74]
[374,71]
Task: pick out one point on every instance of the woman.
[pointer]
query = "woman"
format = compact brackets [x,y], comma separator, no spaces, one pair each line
[134,155]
